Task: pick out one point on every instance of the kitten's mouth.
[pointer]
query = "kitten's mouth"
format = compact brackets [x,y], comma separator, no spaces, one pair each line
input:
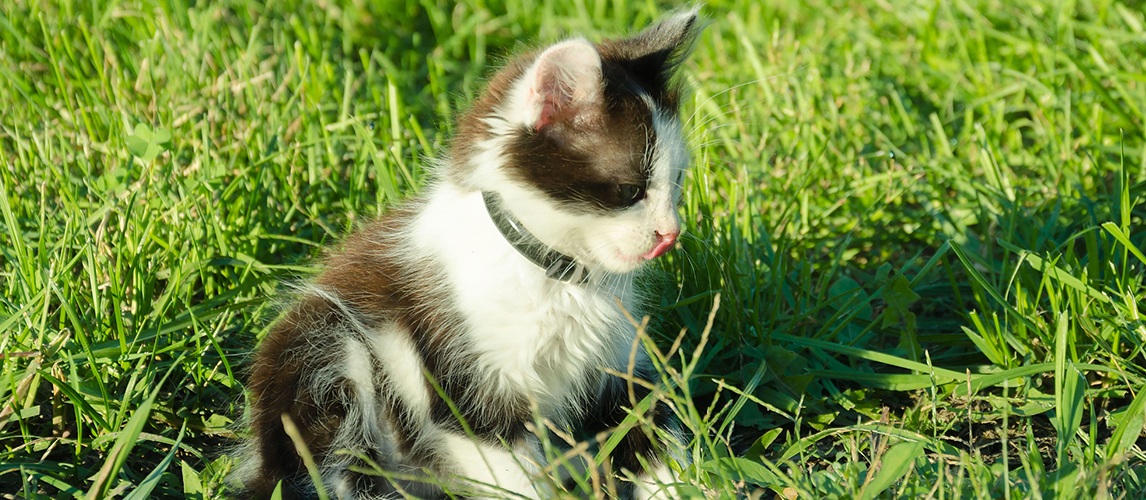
[661,249]
[664,244]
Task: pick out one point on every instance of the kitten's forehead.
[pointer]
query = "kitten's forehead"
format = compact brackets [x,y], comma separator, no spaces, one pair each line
[584,167]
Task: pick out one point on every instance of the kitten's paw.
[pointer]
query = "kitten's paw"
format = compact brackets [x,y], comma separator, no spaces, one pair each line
[658,484]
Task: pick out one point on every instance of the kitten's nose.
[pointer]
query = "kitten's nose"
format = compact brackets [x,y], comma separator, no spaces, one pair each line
[665,243]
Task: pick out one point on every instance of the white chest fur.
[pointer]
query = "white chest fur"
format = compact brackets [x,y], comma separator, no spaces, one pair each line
[533,335]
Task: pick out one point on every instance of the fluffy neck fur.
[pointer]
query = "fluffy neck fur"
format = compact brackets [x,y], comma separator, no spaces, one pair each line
[561,332]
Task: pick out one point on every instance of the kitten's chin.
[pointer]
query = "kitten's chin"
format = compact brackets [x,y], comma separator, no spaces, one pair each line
[616,261]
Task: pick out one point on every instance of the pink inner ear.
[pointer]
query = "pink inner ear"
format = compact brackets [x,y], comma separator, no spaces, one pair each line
[567,76]
[547,117]
[555,97]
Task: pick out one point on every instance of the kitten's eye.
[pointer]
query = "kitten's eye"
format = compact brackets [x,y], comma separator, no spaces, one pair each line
[631,193]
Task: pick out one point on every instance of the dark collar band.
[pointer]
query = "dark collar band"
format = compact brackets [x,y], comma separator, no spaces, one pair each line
[557,265]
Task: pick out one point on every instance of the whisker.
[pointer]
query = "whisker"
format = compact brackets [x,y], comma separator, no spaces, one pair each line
[745,84]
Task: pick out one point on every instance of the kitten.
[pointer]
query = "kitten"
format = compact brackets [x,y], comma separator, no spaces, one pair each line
[501,285]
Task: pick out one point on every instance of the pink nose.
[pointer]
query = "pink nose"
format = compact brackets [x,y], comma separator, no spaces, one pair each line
[665,243]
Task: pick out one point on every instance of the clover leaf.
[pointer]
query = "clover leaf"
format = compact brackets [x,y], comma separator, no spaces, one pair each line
[146,144]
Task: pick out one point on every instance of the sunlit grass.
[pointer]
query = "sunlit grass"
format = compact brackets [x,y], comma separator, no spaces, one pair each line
[924,222]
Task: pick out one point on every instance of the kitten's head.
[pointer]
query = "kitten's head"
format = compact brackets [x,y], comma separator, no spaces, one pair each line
[583,143]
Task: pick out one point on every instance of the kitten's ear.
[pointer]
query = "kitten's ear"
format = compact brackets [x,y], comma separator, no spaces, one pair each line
[657,51]
[564,79]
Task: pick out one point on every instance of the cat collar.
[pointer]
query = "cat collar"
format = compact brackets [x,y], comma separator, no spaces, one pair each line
[557,265]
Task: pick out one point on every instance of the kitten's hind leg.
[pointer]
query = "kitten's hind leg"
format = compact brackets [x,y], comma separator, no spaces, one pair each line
[494,468]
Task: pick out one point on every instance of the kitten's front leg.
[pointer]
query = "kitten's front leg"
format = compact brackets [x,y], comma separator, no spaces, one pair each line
[637,449]
[658,483]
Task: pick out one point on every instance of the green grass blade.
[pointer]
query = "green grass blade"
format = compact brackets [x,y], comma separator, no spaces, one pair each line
[898,460]
[1124,239]
[143,490]
[1128,427]
[124,443]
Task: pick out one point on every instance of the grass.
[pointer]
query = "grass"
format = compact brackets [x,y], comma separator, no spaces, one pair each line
[924,222]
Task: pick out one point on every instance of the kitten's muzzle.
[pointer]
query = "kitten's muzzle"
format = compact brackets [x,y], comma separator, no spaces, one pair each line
[665,242]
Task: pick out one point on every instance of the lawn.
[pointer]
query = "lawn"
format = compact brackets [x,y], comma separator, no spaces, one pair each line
[913,264]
